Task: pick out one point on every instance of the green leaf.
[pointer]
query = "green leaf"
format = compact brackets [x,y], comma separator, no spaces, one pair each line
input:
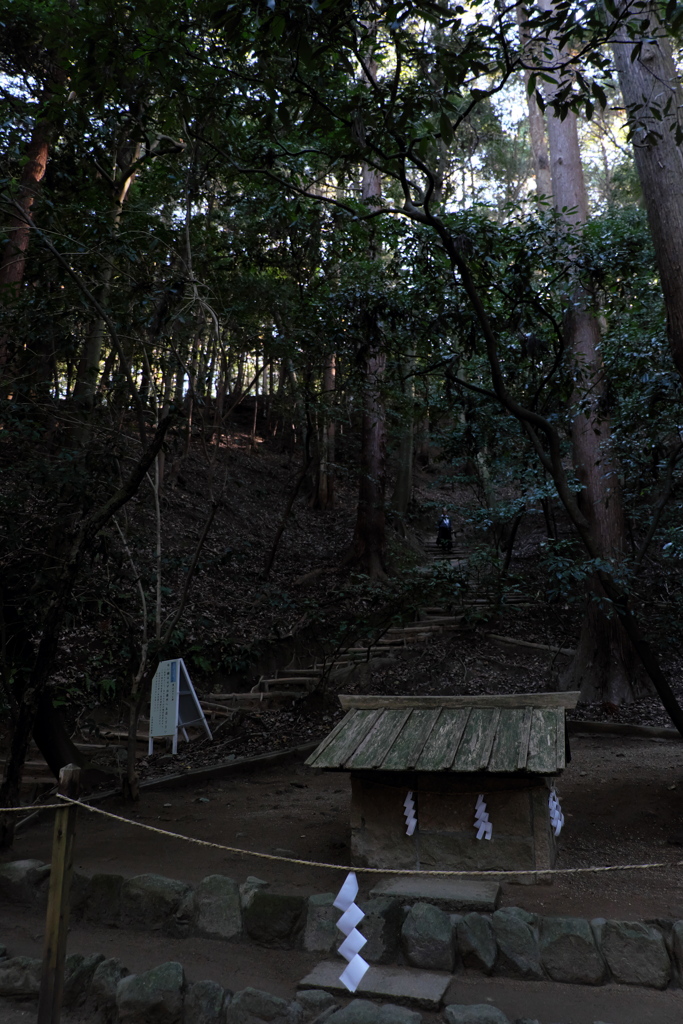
[277,26]
[599,94]
[445,128]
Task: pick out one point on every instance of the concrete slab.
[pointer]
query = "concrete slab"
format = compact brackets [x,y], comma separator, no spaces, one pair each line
[403,985]
[451,894]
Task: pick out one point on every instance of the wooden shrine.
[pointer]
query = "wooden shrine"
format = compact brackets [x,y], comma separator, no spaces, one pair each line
[446,752]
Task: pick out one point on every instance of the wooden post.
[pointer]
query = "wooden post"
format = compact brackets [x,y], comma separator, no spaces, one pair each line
[57,919]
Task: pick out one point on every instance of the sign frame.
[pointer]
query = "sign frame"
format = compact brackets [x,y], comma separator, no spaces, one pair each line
[174,705]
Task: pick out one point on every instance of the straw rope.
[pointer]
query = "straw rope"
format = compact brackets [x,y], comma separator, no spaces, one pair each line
[31,807]
[345,867]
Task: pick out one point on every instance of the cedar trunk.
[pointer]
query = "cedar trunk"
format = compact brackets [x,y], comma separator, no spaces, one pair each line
[89,366]
[369,540]
[649,82]
[323,496]
[13,258]
[605,666]
[537,137]
[403,488]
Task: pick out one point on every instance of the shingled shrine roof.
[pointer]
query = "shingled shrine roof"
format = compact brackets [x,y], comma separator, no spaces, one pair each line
[499,734]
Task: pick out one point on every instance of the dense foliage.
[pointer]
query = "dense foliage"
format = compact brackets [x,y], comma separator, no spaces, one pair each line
[202,232]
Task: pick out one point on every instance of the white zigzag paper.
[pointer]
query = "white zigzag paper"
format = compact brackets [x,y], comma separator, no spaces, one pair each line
[409,808]
[556,815]
[352,975]
[481,819]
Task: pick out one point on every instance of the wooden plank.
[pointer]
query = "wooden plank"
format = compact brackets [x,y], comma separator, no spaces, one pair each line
[410,742]
[57,916]
[561,746]
[328,739]
[542,742]
[372,751]
[502,700]
[506,747]
[485,753]
[475,747]
[347,740]
[524,739]
[442,745]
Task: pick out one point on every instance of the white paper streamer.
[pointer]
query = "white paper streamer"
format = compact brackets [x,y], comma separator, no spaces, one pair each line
[556,815]
[352,975]
[409,808]
[481,819]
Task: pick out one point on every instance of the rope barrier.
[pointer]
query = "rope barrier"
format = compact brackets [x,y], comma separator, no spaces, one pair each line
[345,867]
[31,807]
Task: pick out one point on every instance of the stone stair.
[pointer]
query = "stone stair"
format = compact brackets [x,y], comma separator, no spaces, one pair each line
[291,683]
[296,681]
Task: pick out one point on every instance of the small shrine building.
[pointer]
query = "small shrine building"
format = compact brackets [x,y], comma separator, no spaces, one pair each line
[444,753]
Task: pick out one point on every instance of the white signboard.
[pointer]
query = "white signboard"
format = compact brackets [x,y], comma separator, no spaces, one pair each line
[174,704]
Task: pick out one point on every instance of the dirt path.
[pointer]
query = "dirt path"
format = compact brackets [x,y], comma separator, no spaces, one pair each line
[621,797]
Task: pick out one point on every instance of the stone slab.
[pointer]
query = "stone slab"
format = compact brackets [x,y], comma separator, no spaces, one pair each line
[450,894]
[425,989]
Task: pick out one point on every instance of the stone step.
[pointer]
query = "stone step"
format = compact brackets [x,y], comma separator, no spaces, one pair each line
[450,894]
[419,627]
[440,620]
[406,985]
[418,638]
[361,653]
[122,734]
[291,682]
[256,700]
[286,672]
[281,687]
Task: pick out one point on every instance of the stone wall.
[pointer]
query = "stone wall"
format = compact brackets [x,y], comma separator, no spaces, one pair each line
[508,942]
[162,995]
[109,994]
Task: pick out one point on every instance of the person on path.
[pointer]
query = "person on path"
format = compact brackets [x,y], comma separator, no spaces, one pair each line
[444,534]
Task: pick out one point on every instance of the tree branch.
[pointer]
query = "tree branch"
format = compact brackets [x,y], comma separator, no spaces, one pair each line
[659,507]
[101,312]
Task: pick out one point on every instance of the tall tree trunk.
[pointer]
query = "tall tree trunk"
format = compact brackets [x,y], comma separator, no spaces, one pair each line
[13,258]
[537,136]
[403,487]
[369,540]
[89,366]
[649,82]
[605,666]
[323,497]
